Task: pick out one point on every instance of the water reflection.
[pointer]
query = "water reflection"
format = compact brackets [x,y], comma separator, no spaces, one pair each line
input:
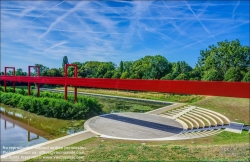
[20,129]
[15,134]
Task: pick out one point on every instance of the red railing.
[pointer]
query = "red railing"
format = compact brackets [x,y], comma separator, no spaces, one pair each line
[212,88]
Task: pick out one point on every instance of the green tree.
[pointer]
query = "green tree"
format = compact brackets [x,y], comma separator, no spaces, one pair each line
[212,75]
[150,67]
[182,76]
[179,71]
[124,75]
[169,76]
[108,74]
[91,68]
[43,69]
[103,68]
[116,75]
[222,57]
[71,69]
[246,77]
[82,72]
[19,72]
[233,74]
[134,76]
[54,72]
[195,74]
[180,67]
[121,67]
[65,61]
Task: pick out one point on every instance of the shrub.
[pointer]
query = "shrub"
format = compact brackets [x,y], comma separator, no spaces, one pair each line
[52,104]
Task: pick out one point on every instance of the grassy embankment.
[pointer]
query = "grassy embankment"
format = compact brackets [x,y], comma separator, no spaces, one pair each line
[143,95]
[225,146]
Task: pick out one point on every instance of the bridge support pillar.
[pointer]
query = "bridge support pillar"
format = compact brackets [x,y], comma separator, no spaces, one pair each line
[4,86]
[65,92]
[28,88]
[75,94]
[14,86]
[65,84]
[38,75]
[13,74]
[38,89]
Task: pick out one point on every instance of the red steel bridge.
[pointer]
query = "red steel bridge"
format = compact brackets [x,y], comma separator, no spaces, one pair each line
[211,88]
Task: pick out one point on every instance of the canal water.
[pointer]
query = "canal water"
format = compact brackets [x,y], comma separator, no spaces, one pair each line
[20,129]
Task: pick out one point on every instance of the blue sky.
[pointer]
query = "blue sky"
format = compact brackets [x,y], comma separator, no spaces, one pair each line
[45,31]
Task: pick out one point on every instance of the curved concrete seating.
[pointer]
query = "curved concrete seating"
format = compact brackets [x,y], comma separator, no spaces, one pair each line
[212,120]
[197,135]
[190,124]
[184,136]
[201,123]
[197,122]
[219,120]
[224,118]
[178,110]
[185,126]
[194,122]
[181,108]
[171,113]
[206,133]
[184,111]
[205,120]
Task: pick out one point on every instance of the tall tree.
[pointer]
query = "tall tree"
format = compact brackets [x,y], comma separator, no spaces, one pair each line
[222,57]
[65,61]
[121,67]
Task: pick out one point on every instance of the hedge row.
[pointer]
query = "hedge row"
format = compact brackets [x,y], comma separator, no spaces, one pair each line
[49,106]
[44,94]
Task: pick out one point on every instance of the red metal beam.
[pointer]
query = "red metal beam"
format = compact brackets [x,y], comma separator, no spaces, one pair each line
[65,84]
[5,74]
[38,75]
[212,88]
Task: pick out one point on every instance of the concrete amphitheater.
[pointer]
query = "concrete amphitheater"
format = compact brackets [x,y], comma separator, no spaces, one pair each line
[182,123]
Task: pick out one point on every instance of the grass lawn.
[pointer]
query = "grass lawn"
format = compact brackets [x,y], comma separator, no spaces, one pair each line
[235,147]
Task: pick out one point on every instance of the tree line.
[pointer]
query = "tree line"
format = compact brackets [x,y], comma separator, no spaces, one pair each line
[226,61]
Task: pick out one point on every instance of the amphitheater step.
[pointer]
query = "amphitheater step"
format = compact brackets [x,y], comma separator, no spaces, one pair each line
[201,123]
[184,111]
[217,118]
[194,122]
[224,118]
[190,124]
[205,120]
[211,119]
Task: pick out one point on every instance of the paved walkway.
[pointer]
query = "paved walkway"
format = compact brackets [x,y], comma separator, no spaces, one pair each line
[47,147]
[133,126]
